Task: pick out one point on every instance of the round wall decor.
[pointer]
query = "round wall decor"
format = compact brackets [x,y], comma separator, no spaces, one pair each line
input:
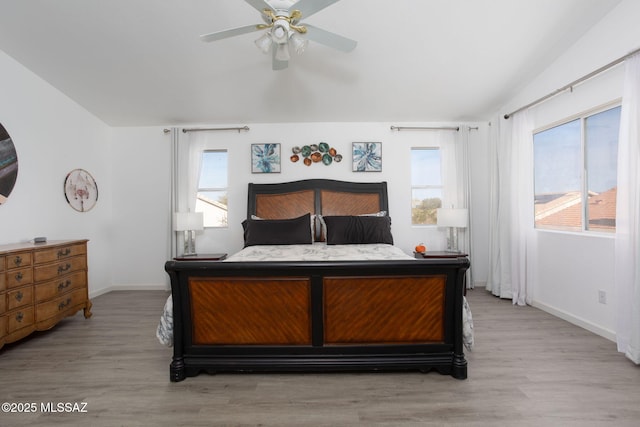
[80,190]
[8,165]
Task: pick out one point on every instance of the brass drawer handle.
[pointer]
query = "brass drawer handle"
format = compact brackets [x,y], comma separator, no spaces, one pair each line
[62,269]
[17,260]
[19,276]
[63,304]
[63,285]
[19,316]
[19,296]
[63,253]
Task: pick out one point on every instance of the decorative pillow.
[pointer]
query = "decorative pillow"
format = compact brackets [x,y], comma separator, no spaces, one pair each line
[312,223]
[381,213]
[321,229]
[346,230]
[293,231]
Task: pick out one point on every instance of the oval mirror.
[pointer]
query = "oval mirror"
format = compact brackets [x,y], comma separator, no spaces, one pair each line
[8,165]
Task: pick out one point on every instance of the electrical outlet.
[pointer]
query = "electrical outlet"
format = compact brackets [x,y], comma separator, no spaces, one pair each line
[602,296]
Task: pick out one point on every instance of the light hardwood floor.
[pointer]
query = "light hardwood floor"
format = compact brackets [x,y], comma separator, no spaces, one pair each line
[528,368]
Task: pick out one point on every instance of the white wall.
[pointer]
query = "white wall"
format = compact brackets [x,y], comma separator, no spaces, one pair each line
[141,163]
[572,268]
[141,183]
[52,136]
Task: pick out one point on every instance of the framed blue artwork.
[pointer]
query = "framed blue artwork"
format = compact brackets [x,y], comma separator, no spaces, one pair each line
[265,158]
[367,156]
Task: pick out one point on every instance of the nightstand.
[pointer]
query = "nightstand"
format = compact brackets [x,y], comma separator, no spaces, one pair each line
[201,257]
[442,254]
[439,254]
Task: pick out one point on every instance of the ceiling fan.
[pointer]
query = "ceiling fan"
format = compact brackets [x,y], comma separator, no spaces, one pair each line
[284,30]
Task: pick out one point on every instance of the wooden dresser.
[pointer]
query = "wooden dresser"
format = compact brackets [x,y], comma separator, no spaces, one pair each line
[41,284]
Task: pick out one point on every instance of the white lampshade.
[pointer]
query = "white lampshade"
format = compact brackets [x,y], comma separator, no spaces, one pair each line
[299,43]
[453,218]
[264,43]
[187,221]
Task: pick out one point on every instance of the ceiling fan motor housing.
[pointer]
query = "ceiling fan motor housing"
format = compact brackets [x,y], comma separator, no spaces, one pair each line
[280,31]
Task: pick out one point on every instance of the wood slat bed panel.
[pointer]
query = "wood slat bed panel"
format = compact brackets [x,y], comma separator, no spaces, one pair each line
[244,311]
[343,203]
[286,205]
[392,310]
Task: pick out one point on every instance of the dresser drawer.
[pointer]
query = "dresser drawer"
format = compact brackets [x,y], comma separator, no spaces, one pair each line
[3,304]
[3,282]
[2,262]
[3,327]
[19,319]
[59,269]
[61,286]
[58,254]
[61,306]
[19,277]
[18,260]
[20,297]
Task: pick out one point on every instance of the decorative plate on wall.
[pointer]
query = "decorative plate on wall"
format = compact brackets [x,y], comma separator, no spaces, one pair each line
[8,165]
[316,153]
[80,190]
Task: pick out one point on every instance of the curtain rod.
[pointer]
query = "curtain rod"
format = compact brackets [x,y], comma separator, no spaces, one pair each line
[574,83]
[399,128]
[239,129]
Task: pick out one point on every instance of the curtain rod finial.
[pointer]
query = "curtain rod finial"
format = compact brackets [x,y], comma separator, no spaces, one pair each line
[506,117]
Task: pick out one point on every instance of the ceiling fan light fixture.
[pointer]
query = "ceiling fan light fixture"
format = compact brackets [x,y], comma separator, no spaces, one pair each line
[264,42]
[280,32]
[299,43]
[282,52]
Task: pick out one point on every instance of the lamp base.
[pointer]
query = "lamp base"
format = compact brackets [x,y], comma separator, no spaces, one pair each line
[189,243]
[452,240]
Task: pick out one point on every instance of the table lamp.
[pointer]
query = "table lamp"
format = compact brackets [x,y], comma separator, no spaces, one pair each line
[189,222]
[454,219]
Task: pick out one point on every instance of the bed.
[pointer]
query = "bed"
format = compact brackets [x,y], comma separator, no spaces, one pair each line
[344,300]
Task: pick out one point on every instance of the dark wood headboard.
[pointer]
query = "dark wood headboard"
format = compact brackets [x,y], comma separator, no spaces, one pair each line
[316,196]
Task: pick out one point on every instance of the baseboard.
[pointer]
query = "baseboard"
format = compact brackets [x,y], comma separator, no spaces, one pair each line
[585,324]
[130,287]
[479,285]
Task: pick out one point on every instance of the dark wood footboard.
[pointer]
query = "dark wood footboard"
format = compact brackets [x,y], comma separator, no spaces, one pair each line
[318,316]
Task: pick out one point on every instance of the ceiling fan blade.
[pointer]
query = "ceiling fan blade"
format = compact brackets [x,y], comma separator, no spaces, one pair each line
[309,7]
[259,5]
[277,64]
[219,35]
[330,39]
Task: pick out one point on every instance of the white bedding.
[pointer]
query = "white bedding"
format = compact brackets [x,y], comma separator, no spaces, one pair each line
[319,252]
[315,252]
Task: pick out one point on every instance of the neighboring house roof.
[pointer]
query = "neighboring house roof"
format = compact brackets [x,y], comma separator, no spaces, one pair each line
[565,210]
[212,202]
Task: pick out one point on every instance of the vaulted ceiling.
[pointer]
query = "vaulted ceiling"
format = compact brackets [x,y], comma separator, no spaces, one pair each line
[141,62]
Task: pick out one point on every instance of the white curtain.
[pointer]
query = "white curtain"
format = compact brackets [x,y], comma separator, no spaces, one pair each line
[175,147]
[196,144]
[512,246]
[455,160]
[627,245]
[499,277]
[185,172]
[522,219]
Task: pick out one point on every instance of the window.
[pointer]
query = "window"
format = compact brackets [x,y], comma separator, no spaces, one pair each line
[212,188]
[426,185]
[575,167]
